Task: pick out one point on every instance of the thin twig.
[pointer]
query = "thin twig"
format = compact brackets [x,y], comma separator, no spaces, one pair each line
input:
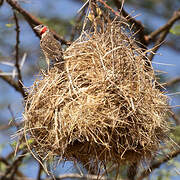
[171,82]
[4,161]
[13,168]
[7,126]
[18,86]
[164,31]
[138,24]
[77,24]
[39,172]
[157,164]
[11,82]
[84,6]
[110,169]
[108,7]
[17,50]
[176,119]
[33,21]
[93,6]
[168,25]
[1,2]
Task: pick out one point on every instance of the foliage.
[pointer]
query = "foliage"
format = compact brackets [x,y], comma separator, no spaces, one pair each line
[175,30]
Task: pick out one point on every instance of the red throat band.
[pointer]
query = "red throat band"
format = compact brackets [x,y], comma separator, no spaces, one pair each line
[43,30]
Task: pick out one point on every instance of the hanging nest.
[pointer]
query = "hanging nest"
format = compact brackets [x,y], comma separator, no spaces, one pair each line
[103,107]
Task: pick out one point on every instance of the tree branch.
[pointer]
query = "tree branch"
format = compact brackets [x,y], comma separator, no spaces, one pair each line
[32,20]
[17,178]
[168,25]
[138,24]
[157,164]
[13,168]
[1,2]
[77,24]
[7,126]
[164,32]
[4,161]
[20,82]
[111,9]
[171,82]
[176,119]
[12,83]
[17,46]
[39,172]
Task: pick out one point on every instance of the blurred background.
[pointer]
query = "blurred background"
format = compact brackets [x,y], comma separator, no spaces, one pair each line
[61,16]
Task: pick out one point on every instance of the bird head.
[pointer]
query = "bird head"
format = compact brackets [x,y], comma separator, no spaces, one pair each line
[41,29]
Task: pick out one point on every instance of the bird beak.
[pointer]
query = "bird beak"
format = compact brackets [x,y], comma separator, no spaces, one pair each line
[35,28]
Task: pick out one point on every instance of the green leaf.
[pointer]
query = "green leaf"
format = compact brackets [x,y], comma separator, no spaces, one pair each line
[175,30]
[9,25]
[22,145]
[3,167]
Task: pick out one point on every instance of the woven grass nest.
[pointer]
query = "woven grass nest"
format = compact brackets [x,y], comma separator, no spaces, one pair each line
[103,107]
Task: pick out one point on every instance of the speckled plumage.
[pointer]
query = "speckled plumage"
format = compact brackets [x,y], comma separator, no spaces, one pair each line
[51,48]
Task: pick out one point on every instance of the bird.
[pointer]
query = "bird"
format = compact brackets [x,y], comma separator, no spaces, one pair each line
[50,46]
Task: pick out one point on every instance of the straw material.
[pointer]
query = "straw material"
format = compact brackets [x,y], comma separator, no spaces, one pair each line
[102,107]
